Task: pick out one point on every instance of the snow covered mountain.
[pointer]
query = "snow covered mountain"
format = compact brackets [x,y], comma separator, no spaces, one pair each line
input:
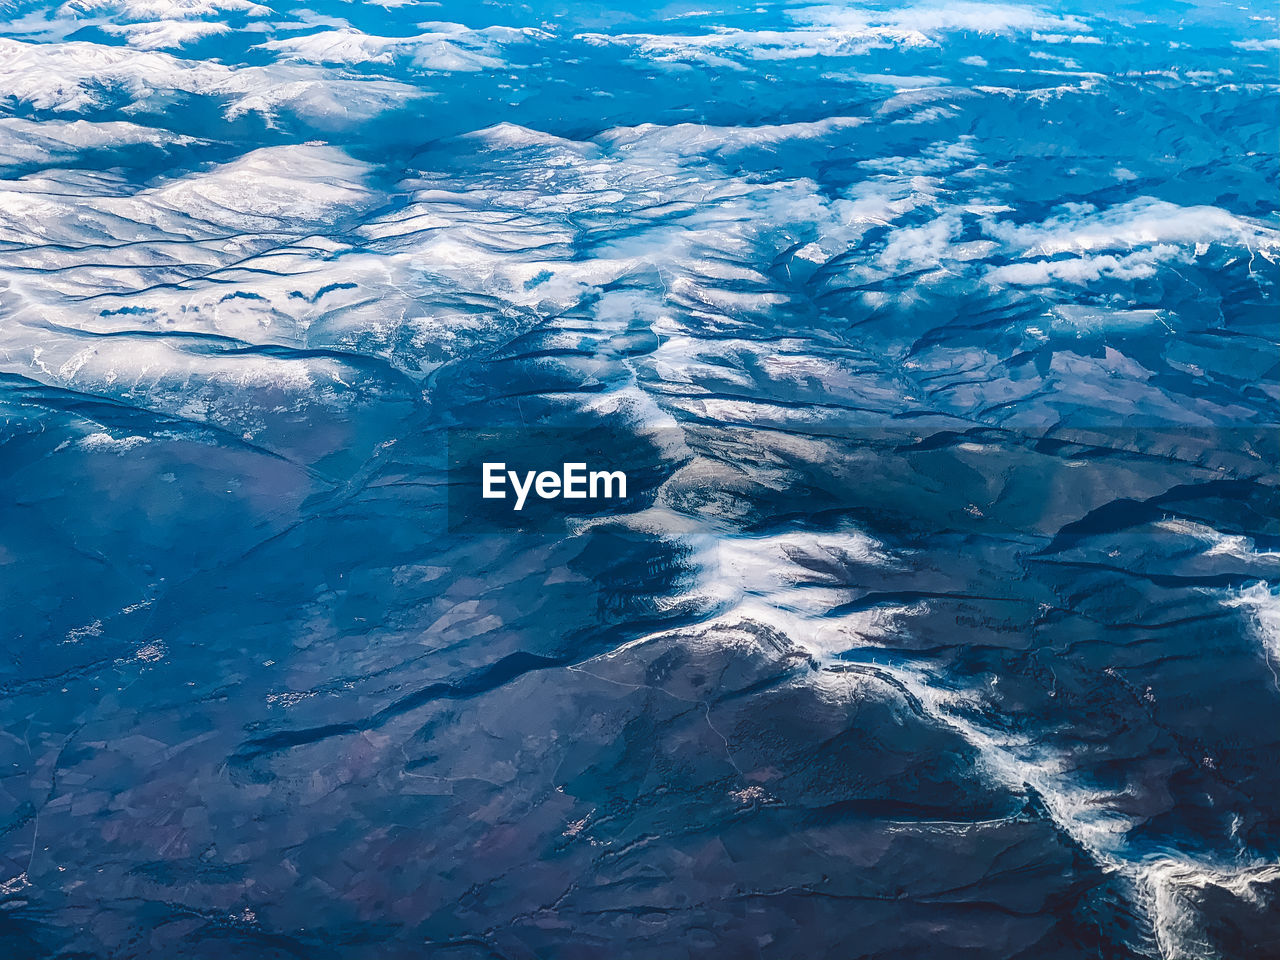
[940,339]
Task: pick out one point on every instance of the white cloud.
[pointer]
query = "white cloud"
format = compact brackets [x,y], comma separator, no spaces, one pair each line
[104,442]
[842,31]
[1083,270]
[1126,242]
[1144,222]
[1064,38]
[1258,46]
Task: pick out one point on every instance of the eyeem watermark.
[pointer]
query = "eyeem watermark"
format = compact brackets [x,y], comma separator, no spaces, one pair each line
[916,476]
[536,479]
[573,482]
